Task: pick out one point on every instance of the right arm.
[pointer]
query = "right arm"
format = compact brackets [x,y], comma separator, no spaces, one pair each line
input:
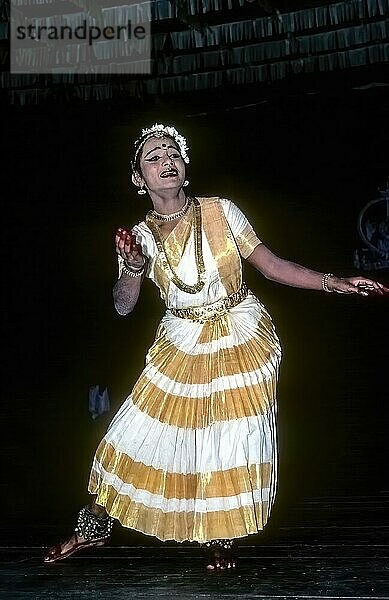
[126,290]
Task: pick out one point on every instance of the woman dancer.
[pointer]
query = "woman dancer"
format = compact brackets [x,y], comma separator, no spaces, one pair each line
[192,452]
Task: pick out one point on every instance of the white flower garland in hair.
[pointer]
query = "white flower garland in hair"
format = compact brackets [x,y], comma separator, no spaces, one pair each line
[159,130]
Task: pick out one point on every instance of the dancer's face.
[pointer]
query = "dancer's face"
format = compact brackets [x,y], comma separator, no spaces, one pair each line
[161,164]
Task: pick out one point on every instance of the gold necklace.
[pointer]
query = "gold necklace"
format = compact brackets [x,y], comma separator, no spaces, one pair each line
[184,287]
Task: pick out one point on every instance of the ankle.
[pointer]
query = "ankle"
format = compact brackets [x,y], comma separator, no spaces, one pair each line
[98,511]
[92,527]
[223,545]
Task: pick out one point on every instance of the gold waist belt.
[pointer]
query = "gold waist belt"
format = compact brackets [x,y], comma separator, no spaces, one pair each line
[211,312]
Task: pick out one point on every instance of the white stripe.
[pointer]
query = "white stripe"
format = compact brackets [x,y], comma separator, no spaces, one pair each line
[169,505]
[184,333]
[220,446]
[218,384]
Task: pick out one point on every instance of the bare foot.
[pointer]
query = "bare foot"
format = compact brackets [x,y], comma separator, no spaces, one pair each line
[221,560]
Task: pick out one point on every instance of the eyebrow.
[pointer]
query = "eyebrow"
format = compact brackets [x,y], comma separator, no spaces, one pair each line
[159,148]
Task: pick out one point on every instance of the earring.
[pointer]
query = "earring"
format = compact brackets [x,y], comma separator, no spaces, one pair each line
[141,191]
[186,182]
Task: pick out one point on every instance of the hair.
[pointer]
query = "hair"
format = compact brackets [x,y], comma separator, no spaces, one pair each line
[158,130]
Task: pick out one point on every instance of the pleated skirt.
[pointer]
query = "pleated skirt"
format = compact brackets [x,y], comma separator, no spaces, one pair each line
[192,452]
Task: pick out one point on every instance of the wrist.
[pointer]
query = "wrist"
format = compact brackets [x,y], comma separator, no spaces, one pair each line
[326,281]
[133,270]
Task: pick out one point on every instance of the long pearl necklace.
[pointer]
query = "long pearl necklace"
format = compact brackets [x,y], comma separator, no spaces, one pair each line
[177,215]
[198,286]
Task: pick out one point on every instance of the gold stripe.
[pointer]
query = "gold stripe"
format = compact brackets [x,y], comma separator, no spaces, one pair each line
[215,484]
[214,330]
[175,244]
[176,240]
[222,244]
[196,413]
[247,241]
[204,368]
[181,526]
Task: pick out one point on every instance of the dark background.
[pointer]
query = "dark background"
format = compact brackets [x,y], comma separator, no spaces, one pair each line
[301,166]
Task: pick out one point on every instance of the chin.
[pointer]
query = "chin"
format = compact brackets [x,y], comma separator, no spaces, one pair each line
[171,185]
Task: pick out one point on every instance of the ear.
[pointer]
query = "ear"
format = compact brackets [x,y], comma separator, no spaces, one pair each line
[137,179]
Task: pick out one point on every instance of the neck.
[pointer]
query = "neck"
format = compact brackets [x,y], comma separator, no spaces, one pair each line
[168,202]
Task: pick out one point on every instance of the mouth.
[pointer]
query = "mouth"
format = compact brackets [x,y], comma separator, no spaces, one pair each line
[169,173]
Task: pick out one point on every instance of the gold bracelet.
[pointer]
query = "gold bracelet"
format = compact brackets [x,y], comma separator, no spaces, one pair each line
[324,282]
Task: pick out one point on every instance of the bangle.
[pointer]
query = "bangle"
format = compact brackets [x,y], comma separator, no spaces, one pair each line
[324,282]
[132,271]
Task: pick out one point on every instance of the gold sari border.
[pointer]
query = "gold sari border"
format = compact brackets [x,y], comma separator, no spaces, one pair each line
[181,526]
[214,484]
[198,413]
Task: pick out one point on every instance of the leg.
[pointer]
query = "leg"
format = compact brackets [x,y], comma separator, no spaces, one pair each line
[93,529]
[222,556]
[98,511]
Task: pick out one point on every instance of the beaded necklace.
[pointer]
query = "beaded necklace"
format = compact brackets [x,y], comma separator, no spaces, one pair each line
[173,216]
[198,286]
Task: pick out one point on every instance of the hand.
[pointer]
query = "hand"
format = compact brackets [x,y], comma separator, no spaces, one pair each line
[356,285]
[127,248]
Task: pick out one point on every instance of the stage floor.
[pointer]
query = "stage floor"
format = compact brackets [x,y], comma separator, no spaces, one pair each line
[333,548]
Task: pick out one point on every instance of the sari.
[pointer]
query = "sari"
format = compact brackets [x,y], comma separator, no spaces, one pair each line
[192,452]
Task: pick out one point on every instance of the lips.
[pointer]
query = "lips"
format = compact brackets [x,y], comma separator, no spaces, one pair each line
[169,173]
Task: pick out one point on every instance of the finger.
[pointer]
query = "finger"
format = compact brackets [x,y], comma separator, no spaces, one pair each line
[118,235]
[135,249]
[121,244]
[363,292]
[348,288]
[128,243]
[369,286]
[120,232]
[382,289]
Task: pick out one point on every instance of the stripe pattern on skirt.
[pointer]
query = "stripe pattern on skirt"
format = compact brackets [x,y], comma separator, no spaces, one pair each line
[192,452]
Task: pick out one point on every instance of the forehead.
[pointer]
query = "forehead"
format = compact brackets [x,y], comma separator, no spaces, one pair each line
[155,142]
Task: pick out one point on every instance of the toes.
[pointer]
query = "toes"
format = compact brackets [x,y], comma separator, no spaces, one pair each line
[51,554]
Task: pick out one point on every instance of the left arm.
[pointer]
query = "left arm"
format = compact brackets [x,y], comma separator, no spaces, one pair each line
[288,273]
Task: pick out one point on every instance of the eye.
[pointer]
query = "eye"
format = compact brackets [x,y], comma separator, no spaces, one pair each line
[153,158]
[175,155]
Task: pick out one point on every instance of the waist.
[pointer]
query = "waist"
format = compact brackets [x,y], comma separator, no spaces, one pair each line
[212,312]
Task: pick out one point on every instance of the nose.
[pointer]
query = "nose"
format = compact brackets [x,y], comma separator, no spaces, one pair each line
[167,160]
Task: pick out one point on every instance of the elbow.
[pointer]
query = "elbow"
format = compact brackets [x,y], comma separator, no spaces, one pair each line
[122,312]
[122,309]
[274,269]
[269,275]
[122,306]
